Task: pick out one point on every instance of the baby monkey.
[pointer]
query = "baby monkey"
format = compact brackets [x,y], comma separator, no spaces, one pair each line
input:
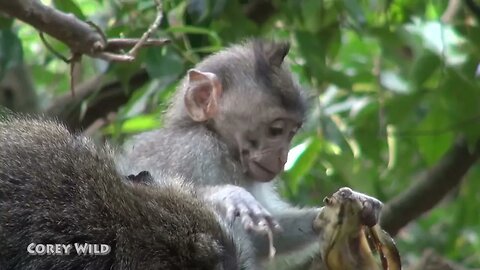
[228,131]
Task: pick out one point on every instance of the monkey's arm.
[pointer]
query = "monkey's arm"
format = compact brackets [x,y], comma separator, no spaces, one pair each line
[296,223]
[292,227]
[297,232]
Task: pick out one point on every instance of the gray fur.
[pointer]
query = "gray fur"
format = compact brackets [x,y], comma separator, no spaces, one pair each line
[59,188]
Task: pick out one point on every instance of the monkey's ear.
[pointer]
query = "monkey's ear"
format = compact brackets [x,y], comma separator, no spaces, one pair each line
[204,90]
[278,53]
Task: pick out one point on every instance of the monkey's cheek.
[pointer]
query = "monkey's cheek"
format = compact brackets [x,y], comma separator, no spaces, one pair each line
[258,173]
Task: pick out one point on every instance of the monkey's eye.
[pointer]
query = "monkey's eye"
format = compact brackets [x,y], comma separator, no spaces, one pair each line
[275,131]
[277,128]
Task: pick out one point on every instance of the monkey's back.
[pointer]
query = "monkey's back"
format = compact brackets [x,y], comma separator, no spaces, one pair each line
[41,197]
[57,188]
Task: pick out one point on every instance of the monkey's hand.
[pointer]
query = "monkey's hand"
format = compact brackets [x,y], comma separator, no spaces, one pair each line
[236,202]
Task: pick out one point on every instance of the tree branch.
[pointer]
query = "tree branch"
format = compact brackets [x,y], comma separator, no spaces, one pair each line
[430,189]
[452,10]
[80,37]
[76,34]
[108,98]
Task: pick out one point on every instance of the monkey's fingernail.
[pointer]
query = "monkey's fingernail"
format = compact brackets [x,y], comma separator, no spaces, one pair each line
[249,226]
[261,230]
[278,228]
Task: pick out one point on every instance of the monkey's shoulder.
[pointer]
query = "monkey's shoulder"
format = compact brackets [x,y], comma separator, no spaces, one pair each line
[36,151]
[174,136]
[167,146]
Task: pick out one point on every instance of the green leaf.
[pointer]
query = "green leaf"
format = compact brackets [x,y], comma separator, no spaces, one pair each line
[68,6]
[164,63]
[5,22]
[214,38]
[11,53]
[311,9]
[339,78]
[433,140]
[424,67]
[462,94]
[301,159]
[143,5]
[401,108]
[313,52]
[199,10]
[136,124]
[355,11]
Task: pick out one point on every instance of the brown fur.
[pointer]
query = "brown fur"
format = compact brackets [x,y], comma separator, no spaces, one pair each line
[60,188]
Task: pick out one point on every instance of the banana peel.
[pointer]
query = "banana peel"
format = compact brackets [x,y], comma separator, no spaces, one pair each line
[349,234]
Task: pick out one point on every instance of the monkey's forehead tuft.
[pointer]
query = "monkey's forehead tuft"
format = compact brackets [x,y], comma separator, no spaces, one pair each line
[259,64]
[276,79]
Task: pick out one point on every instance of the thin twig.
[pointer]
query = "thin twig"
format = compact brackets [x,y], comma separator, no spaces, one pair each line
[452,10]
[51,49]
[99,31]
[115,44]
[107,56]
[81,37]
[72,78]
[76,58]
[134,51]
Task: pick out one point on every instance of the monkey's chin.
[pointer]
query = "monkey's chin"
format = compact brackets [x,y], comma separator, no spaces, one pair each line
[260,173]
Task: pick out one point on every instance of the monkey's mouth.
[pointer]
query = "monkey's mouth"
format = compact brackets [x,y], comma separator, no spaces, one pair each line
[260,172]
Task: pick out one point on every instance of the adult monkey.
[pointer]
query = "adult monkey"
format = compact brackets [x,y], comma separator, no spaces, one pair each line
[57,188]
[229,130]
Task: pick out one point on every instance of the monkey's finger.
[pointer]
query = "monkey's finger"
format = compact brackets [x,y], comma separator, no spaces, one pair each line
[246,219]
[248,224]
[232,213]
[273,224]
[262,226]
[263,214]
[258,211]
[259,216]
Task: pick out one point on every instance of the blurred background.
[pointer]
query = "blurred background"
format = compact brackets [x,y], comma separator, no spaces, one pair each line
[393,87]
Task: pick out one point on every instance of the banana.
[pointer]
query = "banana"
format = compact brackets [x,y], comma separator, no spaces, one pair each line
[353,240]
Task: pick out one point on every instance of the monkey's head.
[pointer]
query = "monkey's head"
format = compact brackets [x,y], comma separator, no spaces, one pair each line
[249,99]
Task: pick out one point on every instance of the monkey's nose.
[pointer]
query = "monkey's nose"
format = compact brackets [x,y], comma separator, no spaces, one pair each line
[272,163]
[283,157]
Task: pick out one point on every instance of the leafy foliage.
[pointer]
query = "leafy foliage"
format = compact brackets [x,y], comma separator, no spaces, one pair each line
[392,87]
